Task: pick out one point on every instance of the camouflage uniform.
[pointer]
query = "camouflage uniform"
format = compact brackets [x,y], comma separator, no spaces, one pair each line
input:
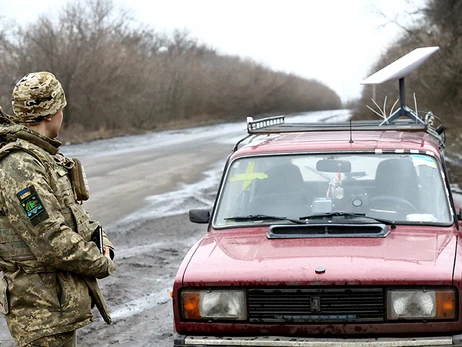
[49,263]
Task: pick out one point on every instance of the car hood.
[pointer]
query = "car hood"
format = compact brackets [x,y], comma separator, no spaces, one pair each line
[248,257]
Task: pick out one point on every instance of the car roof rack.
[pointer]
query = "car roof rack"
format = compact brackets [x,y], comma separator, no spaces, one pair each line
[277,124]
[396,70]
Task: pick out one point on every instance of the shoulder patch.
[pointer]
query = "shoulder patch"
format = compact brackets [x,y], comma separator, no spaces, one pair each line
[32,205]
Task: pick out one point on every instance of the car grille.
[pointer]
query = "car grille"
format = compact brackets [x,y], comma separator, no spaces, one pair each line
[316,305]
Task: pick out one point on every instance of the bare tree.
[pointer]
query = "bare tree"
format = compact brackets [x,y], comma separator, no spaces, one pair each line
[438,84]
[121,76]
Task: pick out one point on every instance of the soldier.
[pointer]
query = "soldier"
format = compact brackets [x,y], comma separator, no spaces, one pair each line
[50,263]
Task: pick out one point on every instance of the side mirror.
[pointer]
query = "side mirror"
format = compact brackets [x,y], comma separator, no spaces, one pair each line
[199,216]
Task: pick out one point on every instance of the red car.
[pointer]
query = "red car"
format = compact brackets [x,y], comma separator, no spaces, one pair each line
[327,234]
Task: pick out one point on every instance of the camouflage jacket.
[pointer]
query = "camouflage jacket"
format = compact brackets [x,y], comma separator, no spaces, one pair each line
[49,263]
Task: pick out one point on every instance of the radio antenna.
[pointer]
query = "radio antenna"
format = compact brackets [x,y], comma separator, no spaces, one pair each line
[351,133]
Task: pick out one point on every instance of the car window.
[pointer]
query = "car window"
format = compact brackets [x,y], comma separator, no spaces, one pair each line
[399,187]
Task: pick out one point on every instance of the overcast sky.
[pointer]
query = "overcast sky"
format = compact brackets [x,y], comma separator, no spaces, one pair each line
[333,41]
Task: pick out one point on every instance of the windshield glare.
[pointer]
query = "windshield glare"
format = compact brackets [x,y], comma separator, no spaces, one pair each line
[404,188]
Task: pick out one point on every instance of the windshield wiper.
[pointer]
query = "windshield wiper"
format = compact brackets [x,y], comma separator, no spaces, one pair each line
[252,217]
[333,214]
[304,220]
[348,214]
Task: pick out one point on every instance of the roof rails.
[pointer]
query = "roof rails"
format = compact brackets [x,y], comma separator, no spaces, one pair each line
[275,125]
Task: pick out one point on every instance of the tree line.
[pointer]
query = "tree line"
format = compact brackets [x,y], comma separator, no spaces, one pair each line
[437,84]
[121,76]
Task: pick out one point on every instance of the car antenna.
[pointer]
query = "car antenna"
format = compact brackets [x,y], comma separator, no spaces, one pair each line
[351,133]
[398,70]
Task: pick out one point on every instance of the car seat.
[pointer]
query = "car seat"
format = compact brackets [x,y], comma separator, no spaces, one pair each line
[397,178]
[281,193]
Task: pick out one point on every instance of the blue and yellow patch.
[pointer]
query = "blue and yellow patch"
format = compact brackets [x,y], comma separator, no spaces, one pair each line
[32,205]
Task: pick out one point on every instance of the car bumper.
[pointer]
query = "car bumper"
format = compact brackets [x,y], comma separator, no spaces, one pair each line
[275,341]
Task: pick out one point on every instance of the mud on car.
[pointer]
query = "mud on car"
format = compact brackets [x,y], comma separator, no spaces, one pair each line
[327,234]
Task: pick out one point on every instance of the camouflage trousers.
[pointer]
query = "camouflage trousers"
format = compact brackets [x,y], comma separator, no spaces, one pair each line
[59,340]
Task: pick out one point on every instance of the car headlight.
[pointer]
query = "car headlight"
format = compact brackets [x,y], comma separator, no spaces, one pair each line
[412,304]
[214,304]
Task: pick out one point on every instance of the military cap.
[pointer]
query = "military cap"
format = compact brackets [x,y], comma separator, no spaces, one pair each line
[36,96]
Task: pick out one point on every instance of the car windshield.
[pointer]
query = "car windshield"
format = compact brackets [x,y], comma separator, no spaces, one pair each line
[403,188]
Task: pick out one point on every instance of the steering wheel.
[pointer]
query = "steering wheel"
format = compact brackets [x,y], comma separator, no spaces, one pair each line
[394,203]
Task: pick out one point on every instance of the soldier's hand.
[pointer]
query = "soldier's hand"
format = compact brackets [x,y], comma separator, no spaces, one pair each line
[107,252]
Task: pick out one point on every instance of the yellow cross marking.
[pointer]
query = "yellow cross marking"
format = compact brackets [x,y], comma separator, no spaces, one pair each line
[248,176]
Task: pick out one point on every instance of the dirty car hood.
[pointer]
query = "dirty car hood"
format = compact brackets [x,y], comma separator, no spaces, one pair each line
[248,257]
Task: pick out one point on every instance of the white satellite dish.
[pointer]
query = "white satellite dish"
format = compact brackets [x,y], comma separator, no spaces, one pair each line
[397,71]
[401,67]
